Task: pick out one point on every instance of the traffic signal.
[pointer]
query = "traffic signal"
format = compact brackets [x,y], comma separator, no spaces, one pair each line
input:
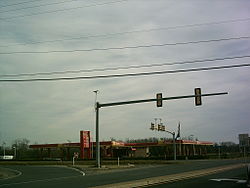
[159,100]
[197,91]
[152,126]
[159,127]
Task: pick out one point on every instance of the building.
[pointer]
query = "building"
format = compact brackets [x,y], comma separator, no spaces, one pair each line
[112,149]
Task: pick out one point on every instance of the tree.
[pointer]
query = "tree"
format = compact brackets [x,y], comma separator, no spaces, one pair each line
[21,145]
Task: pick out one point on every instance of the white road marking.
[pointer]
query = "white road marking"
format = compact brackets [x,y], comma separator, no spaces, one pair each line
[18,173]
[76,169]
[228,179]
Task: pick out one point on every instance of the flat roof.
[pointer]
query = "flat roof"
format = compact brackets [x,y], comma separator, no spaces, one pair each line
[122,144]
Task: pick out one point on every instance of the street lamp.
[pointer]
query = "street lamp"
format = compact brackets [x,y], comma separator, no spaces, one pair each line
[96,93]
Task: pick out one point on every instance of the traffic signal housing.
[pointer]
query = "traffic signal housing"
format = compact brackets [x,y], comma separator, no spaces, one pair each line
[159,99]
[152,126]
[161,127]
[197,91]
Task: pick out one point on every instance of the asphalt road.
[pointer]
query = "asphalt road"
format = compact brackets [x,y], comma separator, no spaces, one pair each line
[229,179]
[53,176]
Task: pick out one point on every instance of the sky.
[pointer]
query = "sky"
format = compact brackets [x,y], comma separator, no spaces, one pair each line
[80,34]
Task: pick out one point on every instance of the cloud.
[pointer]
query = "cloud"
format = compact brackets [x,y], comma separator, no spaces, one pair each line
[49,112]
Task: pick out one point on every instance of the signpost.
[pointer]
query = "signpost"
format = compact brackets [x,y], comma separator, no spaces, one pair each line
[98,106]
[75,156]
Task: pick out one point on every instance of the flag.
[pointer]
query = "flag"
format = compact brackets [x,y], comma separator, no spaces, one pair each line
[179,131]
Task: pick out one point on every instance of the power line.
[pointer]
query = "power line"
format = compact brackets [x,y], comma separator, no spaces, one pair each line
[126,47]
[124,67]
[128,74]
[131,32]
[19,3]
[36,6]
[61,10]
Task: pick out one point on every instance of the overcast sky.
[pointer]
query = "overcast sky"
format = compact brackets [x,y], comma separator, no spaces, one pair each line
[55,111]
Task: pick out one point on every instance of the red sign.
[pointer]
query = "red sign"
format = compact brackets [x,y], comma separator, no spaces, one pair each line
[86,139]
[85,144]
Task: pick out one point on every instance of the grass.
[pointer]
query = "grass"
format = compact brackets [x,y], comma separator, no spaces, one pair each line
[90,162]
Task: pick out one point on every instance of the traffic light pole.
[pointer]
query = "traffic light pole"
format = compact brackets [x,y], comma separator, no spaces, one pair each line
[97,143]
[174,144]
[98,105]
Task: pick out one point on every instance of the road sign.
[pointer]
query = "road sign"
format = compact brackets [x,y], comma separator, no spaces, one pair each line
[197,91]
[76,155]
[159,99]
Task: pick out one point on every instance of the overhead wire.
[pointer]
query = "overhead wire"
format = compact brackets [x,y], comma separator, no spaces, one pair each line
[64,9]
[14,4]
[126,47]
[36,6]
[127,74]
[124,67]
[131,32]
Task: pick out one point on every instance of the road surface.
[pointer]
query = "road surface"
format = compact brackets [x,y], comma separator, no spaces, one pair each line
[54,176]
[230,179]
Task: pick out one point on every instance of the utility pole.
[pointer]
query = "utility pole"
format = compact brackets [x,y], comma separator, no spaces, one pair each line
[158,100]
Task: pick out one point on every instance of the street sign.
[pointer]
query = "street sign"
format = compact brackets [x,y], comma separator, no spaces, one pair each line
[159,99]
[197,91]
[76,155]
